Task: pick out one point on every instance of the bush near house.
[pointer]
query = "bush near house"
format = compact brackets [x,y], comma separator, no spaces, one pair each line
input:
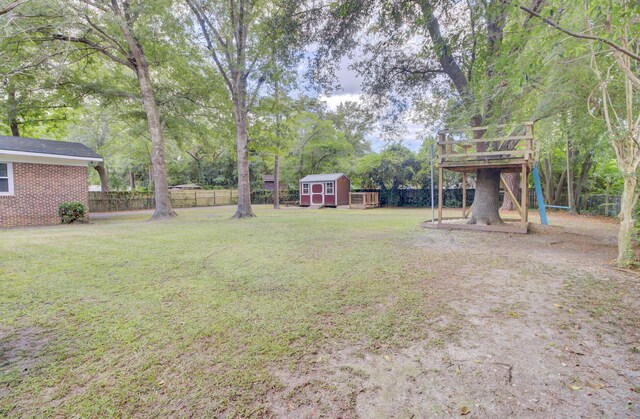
[71,212]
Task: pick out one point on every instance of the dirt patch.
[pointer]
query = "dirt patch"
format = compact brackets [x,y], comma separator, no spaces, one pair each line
[20,352]
[542,326]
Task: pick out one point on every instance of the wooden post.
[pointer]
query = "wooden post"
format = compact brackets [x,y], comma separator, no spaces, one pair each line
[524,191]
[606,198]
[441,139]
[464,195]
[440,173]
[511,195]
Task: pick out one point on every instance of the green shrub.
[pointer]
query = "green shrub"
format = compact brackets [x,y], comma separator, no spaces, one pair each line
[71,212]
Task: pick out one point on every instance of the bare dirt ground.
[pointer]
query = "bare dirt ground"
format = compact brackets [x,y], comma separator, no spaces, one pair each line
[540,325]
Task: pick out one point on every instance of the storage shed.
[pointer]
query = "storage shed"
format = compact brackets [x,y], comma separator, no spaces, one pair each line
[269,183]
[38,175]
[329,190]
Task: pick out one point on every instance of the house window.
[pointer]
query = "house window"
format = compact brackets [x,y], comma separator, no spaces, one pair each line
[6,179]
[305,189]
[329,188]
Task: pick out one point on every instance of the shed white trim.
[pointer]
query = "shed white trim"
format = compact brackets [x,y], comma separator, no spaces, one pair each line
[325,177]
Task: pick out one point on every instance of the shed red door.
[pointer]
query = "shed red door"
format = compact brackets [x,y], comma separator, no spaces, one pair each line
[317,193]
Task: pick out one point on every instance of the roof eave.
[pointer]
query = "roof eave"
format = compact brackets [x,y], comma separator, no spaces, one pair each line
[52,156]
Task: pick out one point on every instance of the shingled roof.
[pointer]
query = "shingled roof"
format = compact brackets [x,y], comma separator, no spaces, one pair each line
[327,177]
[18,145]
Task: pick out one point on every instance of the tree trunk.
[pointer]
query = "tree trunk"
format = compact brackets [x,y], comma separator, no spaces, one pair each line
[104,179]
[548,181]
[627,220]
[558,191]
[244,182]
[164,209]
[587,166]
[276,158]
[486,202]
[276,180]
[570,157]
[200,170]
[132,180]
[12,110]
[513,181]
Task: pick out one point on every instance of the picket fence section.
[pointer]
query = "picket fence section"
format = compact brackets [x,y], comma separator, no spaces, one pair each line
[127,201]
[608,205]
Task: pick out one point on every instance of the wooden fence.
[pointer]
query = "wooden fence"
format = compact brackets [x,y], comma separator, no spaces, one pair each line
[127,201]
[363,200]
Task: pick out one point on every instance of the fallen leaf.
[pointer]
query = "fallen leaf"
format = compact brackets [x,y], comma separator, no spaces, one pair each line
[387,357]
[597,386]
[464,410]
[513,314]
[574,387]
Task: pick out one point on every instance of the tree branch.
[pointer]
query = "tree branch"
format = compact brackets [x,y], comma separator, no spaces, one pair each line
[9,7]
[582,36]
[105,51]
[204,25]
[447,61]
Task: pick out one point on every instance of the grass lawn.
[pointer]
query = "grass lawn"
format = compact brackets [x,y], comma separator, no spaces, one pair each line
[129,316]
[305,313]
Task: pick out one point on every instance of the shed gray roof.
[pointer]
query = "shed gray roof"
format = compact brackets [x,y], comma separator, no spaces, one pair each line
[59,148]
[322,177]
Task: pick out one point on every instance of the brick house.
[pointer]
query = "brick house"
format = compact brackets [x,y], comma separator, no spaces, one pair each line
[38,175]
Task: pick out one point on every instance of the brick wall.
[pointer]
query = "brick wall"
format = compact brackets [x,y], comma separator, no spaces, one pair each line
[38,190]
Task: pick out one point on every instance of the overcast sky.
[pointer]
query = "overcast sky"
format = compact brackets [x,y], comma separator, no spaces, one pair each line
[351,90]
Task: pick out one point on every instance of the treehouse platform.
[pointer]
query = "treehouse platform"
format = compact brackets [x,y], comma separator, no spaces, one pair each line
[508,148]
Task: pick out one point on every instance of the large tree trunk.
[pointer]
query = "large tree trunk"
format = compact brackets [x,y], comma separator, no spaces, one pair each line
[164,208]
[244,182]
[627,220]
[276,181]
[513,181]
[276,158]
[486,201]
[104,179]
